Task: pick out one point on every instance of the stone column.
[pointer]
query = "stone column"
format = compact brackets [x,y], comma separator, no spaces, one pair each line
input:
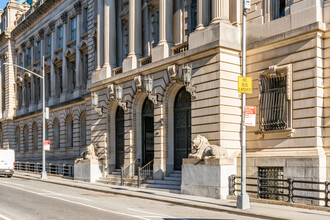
[220,11]
[64,17]
[42,52]
[165,30]
[52,69]
[135,36]
[77,91]
[24,90]
[202,14]
[33,89]
[100,42]
[177,24]
[106,34]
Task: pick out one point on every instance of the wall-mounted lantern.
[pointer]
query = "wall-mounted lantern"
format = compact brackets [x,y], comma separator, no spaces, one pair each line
[149,89]
[95,101]
[119,97]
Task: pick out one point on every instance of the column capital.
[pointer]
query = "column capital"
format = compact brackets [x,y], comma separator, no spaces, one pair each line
[77,7]
[41,33]
[51,26]
[64,17]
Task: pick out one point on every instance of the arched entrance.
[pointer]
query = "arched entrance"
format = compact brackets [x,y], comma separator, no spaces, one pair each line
[147,131]
[120,137]
[182,127]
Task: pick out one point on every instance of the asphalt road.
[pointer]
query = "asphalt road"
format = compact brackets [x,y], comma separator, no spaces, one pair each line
[28,199]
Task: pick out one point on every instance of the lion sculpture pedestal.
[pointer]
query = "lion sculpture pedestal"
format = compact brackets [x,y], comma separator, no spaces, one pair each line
[88,168]
[206,172]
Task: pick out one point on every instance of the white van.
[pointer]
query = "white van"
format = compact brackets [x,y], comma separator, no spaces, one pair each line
[7,162]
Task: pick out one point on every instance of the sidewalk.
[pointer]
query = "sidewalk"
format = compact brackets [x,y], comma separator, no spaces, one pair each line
[258,210]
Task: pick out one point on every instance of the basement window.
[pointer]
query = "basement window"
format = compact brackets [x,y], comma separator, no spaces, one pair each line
[271,189]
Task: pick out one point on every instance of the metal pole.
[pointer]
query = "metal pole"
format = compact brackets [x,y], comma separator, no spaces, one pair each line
[43,173]
[243,200]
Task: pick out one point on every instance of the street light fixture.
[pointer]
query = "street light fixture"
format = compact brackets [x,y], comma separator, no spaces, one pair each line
[43,173]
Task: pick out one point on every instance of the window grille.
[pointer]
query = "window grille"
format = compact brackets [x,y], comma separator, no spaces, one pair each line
[73,28]
[274,99]
[269,188]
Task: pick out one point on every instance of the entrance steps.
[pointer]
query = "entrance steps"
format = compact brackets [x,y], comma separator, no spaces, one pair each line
[170,183]
[114,178]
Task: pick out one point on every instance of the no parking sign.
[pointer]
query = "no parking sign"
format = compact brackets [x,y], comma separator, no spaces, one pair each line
[46,145]
[250,116]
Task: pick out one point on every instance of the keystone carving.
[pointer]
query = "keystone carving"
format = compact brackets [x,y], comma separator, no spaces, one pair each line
[173,71]
[138,83]
[41,33]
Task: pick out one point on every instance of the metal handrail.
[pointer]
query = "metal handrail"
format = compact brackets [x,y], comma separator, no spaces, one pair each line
[145,172]
[286,188]
[124,173]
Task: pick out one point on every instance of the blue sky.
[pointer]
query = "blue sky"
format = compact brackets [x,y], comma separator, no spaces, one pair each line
[3,3]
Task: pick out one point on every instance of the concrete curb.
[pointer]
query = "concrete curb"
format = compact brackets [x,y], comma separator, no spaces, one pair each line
[179,201]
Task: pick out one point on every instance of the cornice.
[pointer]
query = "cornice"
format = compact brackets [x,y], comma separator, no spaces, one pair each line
[34,18]
[4,36]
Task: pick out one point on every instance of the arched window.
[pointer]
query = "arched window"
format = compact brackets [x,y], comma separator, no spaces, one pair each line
[56,133]
[83,129]
[18,138]
[69,131]
[26,137]
[35,136]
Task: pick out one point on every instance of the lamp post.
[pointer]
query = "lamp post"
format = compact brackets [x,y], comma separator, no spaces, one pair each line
[43,173]
[243,200]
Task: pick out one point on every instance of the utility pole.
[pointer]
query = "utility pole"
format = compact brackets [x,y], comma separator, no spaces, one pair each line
[243,200]
[43,173]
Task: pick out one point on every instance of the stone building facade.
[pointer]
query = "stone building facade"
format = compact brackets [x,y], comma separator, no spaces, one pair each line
[142,78]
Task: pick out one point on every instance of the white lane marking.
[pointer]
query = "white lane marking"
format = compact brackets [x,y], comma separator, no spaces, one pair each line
[59,194]
[4,217]
[11,183]
[78,203]
[152,213]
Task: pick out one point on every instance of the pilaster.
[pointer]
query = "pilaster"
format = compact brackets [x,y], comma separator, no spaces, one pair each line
[42,53]
[78,89]
[100,26]
[33,89]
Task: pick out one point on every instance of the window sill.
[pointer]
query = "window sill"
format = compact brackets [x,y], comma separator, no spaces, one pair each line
[289,132]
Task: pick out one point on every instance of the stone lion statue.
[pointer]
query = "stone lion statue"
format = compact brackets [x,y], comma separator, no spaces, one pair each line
[202,149]
[90,154]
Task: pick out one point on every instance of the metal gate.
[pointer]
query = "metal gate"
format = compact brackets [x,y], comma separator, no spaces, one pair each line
[120,137]
[147,131]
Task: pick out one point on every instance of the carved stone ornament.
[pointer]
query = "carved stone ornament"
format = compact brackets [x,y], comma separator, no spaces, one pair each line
[70,54]
[173,72]
[19,80]
[57,60]
[153,98]
[202,149]
[31,39]
[27,76]
[111,91]
[99,110]
[77,7]
[23,45]
[138,83]
[192,90]
[35,70]
[83,47]
[64,17]
[122,104]
[41,33]
[51,26]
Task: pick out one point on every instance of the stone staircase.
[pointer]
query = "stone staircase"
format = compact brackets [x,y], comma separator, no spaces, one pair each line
[171,183]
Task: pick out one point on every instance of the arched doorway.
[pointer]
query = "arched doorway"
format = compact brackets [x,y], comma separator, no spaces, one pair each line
[147,131]
[120,137]
[182,127]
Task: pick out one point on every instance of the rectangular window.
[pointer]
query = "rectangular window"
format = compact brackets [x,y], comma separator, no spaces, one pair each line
[275,99]
[277,9]
[73,71]
[73,28]
[86,20]
[49,44]
[193,19]
[86,71]
[60,37]
[48,86]
[28,57]
[270,189]
[38,51]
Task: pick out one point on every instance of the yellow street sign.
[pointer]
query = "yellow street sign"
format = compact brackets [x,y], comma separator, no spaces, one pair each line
[245,84]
